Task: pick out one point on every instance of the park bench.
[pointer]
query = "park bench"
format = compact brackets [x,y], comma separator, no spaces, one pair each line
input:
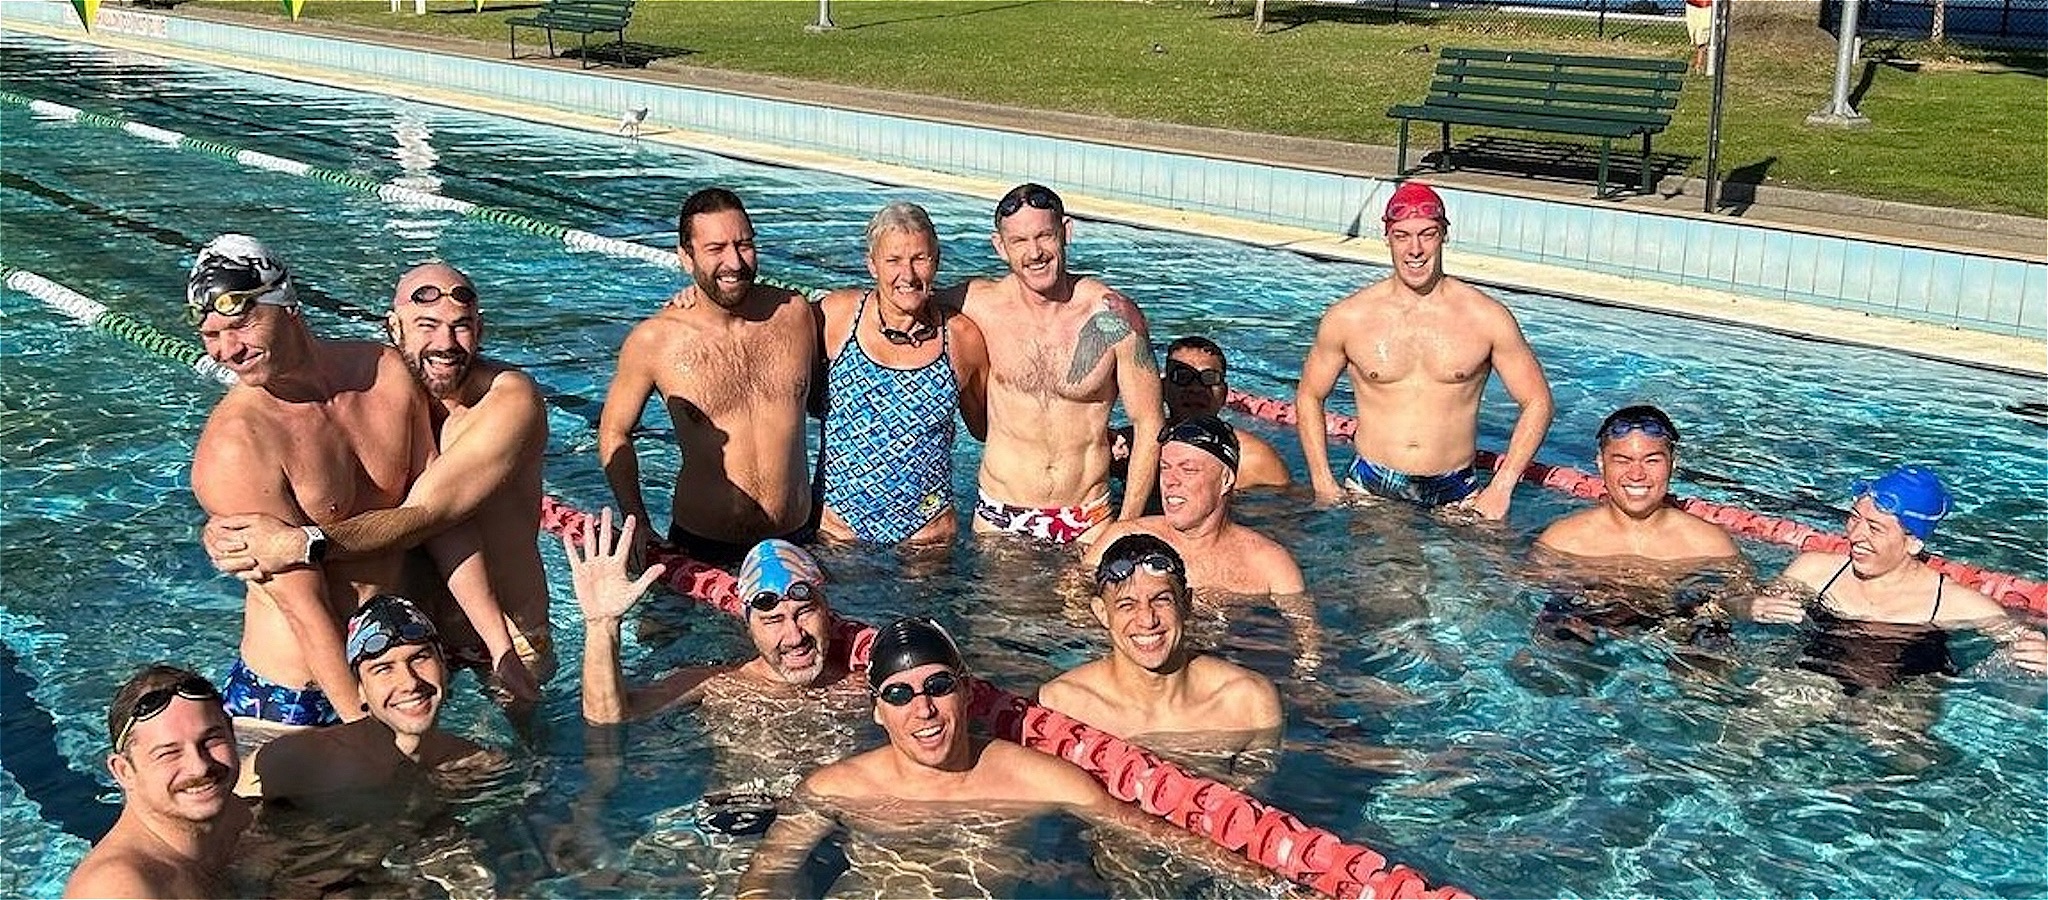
[1606,97]
[584,17]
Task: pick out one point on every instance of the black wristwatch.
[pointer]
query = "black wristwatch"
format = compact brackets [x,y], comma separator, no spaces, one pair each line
[316,546]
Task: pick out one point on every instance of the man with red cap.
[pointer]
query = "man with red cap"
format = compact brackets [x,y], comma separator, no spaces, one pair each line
[1420,346]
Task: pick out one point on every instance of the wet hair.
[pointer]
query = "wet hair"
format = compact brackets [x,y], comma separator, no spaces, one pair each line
[900,216]
[1642,417]
[704,202]
[1198,342]
[154,676]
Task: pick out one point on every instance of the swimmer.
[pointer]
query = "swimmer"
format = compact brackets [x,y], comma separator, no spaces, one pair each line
[394,754]
[174,759]
[1152,684]
[482,491]
[1196,382]
[896,368]
[1072,349]
[1420,346]
[732,361]
[1880,614]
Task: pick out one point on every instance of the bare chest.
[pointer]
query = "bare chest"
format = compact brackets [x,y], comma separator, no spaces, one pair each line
[346,456]
[1396,348]
[711,374]
[1068,357]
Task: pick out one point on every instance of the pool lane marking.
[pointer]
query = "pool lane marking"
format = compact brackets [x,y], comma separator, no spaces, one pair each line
[573,238]
[1265,834]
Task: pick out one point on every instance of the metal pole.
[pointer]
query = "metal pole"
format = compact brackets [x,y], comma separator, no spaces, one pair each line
[1717,60]
[824,22]
[1838,111]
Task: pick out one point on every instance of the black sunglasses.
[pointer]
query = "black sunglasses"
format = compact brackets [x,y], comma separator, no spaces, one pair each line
[801,591]
[938,685]
[1113,571]
[1182,374]
[432,293]
[153,703]
[1033,196]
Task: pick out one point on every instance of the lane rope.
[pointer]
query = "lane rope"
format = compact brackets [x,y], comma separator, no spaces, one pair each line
[1265,834]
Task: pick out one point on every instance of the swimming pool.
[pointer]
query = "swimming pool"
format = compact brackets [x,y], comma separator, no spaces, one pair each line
[1438,730]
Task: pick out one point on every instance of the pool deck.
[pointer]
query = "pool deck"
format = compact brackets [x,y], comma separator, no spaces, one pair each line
[1988,233]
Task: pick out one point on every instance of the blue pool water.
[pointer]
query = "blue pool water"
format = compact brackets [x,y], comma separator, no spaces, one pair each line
[1438,730]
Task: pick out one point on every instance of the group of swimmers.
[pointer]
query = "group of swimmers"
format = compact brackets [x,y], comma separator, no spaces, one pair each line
[331,464]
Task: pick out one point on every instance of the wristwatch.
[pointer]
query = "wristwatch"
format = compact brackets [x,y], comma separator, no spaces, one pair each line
[316,545]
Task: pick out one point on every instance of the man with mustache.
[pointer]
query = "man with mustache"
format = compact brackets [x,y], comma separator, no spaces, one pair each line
[478,502]
[733,362]
[174,758]
[397,749]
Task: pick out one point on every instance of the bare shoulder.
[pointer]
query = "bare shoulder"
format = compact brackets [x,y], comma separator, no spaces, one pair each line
[1568,535]
[1052,779]
[1248,699]
[963,328]
[1813,569]
[850,778]
[1705,537]
[1074,691]
[1479,305]
[118,872]
[1961,604]
[839,305]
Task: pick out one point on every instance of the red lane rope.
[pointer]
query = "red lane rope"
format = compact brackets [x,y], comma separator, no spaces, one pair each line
[2010,590]
[1262,833]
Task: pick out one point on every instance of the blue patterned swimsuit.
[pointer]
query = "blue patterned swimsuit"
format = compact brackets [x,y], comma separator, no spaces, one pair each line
[888,457]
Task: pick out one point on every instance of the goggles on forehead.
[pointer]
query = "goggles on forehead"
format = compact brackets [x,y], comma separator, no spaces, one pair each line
[936,685]
[1119,569]
[153,703]
[378,639]
[432,293]
[801,592]
[1033,196]
[1648,425]
[1182,374]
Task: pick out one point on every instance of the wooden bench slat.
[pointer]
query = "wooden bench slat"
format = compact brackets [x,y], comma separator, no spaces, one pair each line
[1563,113]
[1522,121]
[1552,95]
[1553,59]
[1547,76]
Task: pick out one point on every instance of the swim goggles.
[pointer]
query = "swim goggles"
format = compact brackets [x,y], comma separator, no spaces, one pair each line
[914,336]
[936,685]
[1113,571]
[1414,209]
[801,592]
[1182,374]
[376,639]
[1032,195]
[1649,425]
[432,293]
[153,703]
[232,303]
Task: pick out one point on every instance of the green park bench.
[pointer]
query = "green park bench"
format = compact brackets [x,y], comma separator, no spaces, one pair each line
[584,17]
[1606,97]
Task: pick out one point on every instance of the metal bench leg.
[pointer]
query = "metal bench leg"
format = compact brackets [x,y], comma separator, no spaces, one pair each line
[1443,161]
[515,41]
[1401,155]
[1646,162]
[622,54]
[1605,145]
[551,42]
[585,61]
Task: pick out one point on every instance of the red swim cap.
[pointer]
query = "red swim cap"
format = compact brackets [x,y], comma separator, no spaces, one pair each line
[1414,200]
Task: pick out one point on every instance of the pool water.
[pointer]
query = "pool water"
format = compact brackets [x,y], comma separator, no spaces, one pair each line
[1439,728]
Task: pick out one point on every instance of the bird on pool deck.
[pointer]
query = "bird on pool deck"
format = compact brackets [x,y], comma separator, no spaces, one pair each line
[629,124]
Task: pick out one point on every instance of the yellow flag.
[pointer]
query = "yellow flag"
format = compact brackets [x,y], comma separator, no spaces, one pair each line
[479,5]
[293,7]
[87,11]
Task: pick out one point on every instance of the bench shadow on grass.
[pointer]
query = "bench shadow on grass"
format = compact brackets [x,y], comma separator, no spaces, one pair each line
[1557,161]
[631,54]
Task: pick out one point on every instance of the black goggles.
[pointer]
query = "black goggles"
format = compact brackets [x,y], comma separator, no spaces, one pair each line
[1033,196]
[1182,374]
[914,336]
[1113,571]
[1648,425]
[801,592]
[432,293]
[381,638]
[153,703]
[939,684]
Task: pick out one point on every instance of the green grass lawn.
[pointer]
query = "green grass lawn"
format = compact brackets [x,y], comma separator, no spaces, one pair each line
[1948,133]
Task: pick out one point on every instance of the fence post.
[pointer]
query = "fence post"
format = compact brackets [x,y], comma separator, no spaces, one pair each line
[1838,111]
[1717,55]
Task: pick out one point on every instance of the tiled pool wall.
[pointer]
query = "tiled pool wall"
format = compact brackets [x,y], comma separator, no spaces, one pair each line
[1984,292]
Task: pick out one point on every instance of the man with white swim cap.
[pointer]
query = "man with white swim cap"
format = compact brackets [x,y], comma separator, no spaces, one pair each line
[314,431]
[480,497]
[1420,346]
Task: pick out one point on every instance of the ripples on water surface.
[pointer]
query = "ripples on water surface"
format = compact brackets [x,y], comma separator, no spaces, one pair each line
[1437,728]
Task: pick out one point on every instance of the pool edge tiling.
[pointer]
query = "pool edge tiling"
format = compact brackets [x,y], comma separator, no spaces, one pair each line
[1863,291]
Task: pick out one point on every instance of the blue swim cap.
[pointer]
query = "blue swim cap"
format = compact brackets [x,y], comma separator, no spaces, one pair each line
[1913,494]
[774,568]
[384,622]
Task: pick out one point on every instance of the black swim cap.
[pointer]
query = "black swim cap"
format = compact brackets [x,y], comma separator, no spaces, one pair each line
[910,642]
[1206,433]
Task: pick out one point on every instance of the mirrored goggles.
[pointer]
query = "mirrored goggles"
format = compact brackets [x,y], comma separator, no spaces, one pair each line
[1113,571]
[227,303]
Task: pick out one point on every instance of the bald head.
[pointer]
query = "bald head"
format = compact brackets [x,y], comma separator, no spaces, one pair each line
[435,323]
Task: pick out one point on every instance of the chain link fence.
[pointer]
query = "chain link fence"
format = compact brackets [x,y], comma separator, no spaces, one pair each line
[1998,25]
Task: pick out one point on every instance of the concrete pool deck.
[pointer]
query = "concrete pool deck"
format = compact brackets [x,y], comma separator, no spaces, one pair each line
[1984,234]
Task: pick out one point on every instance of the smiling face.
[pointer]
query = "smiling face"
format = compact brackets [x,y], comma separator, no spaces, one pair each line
[1033,242]
[1636,468]
[927,730]
[403,686]
[1143,614]
[1417,246]
[793,638]
[904,264]
[1192,484]
[179,764]
[441,338]
[720,256]
[256,345]
[1877,544]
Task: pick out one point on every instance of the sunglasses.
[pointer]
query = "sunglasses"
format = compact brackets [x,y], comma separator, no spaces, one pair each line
[1620,428]
[940,684]
[1033,196]
[381,640]
[915,336]
[801,592]
[1182,374]
[226,303]
[1113,571]
[153,703]
[432,293]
